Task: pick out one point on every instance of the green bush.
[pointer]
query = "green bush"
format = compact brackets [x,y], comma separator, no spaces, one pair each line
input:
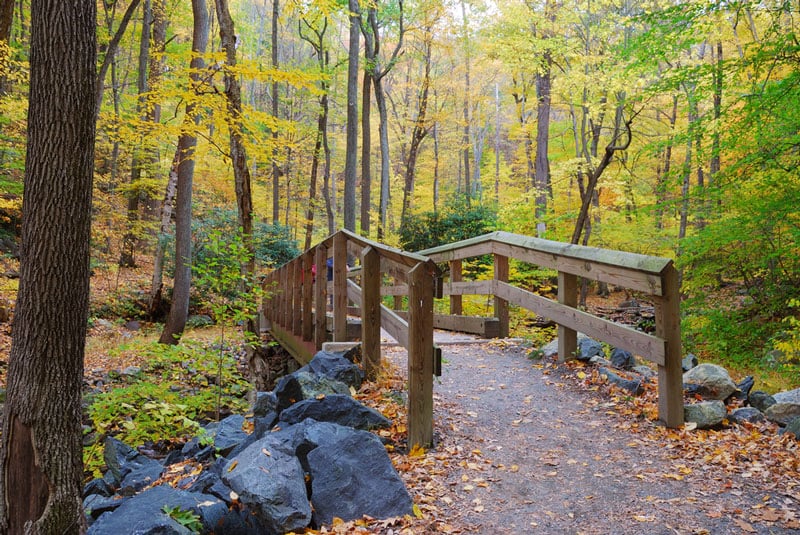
[455,222]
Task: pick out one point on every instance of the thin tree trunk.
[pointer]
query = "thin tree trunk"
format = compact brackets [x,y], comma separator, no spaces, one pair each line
[541,163]
[41,468]
[465,140]
[661,184]
[187,142]
[128,253]
[111,51]
[366,151]
[276,196]
[241,172]
[351,150]
[6,19]
[418,134]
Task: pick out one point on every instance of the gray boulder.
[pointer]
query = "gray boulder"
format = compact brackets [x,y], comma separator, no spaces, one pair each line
[128,468]
[600,361]
[710,381]
[550,350]
[588,348]
[266,402]
[337,367]
[706,413]
[782,413]
[789,396]
[645,371]
[269,480]
[336,408]
[760,400]
[228,434]
[633,386]
[688,362]
[746,415]
[793,427]
[622,359]
[144,513]
[348,474]
[299,385]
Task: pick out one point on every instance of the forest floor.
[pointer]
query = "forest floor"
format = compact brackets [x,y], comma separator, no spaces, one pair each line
[533,446]
[529,446]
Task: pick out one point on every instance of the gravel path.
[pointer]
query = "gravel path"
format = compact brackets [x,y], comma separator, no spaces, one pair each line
[528,451]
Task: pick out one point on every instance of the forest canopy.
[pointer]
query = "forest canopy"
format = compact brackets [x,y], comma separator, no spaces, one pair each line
[654,127]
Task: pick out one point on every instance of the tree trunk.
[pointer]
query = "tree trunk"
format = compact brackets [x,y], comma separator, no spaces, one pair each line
[276,189]
[366,151]
[418,133]
[241,172]
[6,19]
[661,184]
[351,150]
[41,467]
[541,162]
[111,51]
[128,254]
[154,306]
[187,142]
[465,140]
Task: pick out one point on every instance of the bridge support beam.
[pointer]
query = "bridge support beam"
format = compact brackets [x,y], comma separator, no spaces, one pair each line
[568,296]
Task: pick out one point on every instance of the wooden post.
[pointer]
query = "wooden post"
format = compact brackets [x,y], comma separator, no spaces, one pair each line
[456,306]
[501,305]
[668,328]
[340,287]
[567,295]
[420,356]
[308,295]
[371,312]
[320,297]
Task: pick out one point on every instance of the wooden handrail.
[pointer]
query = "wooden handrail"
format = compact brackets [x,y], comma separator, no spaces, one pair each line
[296,308]
[652,275]
[297,301]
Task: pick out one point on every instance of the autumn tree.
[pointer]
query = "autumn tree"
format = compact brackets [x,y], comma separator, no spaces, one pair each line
[351,150]
[183,163]
[41,465]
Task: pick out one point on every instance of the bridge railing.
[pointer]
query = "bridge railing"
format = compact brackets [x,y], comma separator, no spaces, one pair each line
[300,292]
[654,276]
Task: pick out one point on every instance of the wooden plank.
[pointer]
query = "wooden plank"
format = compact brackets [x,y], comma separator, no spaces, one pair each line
[584,265]
[670,374]
[286,298]
[320,296]
[650,347]
[404,258]
[396,326]
[500,304]
[371,312]
[469,288]
[420,357]
[340,287]
[301,351]
[482,326]
[468,251]
[567,296]
[401,289]
[308,295]
[297,297]
[456,275]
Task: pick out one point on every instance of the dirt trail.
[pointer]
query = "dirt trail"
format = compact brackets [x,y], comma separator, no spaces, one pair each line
[533,453]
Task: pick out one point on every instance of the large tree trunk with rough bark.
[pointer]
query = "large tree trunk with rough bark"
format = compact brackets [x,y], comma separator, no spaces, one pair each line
[179,309]
[41,466]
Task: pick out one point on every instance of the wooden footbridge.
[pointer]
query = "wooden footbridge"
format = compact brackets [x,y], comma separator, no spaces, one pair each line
[356,274]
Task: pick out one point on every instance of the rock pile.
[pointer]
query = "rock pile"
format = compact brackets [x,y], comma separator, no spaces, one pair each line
[309,458]
[709,384]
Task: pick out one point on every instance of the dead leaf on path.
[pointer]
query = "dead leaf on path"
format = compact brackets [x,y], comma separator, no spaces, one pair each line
[644,518]
[744,526]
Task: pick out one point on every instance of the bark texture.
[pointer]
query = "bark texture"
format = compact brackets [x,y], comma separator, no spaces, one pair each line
[41,457]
